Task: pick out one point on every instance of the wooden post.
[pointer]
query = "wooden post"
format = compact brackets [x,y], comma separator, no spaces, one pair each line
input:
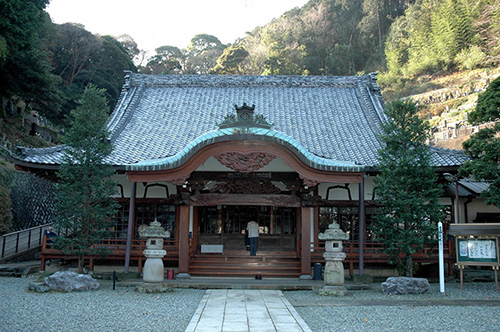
[361,225]
[305,260]
[496,268]
[42,256]
[131,221]
[461,268]
[183,242]
[194,240]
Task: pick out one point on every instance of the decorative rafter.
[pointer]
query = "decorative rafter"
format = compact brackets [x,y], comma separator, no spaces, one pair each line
[309,182]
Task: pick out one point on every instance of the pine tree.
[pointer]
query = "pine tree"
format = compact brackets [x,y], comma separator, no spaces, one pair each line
[406,187]
[84,203]
[484,146]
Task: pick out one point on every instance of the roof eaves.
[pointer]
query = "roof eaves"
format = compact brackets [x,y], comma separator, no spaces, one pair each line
[224,135]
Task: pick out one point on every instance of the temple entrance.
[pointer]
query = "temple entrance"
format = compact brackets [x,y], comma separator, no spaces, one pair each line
[225,224]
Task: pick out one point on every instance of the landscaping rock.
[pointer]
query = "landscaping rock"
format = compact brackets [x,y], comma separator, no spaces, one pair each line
[68,281]
[333,291]
[405,285]
[155,289]
[39,287]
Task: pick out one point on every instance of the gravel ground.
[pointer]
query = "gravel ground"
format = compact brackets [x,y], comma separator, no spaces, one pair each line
[100,310]
[475,308]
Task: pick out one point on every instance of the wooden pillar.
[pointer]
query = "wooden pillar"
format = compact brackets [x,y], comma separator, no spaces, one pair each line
[131,222]
[361,225]
[42,256]
[194,240]
[183,242]
[305,257]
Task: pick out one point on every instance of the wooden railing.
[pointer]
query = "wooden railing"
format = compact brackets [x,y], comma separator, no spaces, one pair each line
[116,250]
[373,254]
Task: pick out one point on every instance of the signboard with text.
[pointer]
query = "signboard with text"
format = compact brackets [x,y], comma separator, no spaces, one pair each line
[478,251]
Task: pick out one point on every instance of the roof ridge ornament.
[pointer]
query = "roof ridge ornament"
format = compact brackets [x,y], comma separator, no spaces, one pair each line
[244,118]
[244,107]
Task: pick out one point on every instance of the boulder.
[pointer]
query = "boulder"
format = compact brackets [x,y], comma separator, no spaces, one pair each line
[405,285]
[68,281]
[39,287]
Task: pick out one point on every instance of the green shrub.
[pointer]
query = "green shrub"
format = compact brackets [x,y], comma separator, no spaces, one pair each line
[470,58]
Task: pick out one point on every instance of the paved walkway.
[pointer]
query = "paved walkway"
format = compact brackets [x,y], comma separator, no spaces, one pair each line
[246,310]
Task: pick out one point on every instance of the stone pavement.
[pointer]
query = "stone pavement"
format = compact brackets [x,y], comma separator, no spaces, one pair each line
[246,310]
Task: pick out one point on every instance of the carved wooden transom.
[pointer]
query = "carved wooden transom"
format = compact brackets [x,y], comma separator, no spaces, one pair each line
[245,186]
[245,163]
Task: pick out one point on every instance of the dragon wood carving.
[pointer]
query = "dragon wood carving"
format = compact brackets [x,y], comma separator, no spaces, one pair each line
[245,163]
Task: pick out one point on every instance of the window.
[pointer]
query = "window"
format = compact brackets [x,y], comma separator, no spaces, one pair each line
[147,212]
[348,219]
[121,217]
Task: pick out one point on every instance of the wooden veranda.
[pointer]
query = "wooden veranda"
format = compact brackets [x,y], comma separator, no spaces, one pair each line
[238,263]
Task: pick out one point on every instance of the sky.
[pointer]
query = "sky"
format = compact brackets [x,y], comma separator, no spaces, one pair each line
[154,23]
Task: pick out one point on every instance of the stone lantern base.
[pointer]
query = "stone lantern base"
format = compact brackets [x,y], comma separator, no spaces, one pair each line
[334,273]
[153,267]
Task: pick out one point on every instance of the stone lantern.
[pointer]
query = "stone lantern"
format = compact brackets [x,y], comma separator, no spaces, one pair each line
[153,268]
[334,268]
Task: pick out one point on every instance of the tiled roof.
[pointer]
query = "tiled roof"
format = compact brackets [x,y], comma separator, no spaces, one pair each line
[333,120]
[466,188]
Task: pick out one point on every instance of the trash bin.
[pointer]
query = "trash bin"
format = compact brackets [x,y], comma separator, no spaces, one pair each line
[318,269]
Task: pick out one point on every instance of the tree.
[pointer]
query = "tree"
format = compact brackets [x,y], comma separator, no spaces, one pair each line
[5,200]
[452,30]
[135,54]
[203,42]
[406,187]
[108,71]
[484,146]
[167,60]
[24,65]
[203,52]
[230,61]
[80,58]
[74,51]
[84,200]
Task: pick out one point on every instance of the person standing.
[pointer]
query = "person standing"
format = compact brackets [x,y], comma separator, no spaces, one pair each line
[253,236]
[50,234]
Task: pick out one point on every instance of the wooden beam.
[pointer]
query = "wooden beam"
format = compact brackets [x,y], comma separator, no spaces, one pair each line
[485,229]
[241,199]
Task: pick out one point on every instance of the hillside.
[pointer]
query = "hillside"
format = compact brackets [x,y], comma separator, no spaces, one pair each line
[446,101]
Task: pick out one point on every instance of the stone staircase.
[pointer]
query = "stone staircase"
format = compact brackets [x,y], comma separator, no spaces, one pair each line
[18,270]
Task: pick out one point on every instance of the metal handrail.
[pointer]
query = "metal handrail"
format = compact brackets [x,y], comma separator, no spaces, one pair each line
[18,242]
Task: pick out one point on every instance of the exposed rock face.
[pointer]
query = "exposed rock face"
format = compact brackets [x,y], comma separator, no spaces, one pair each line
[405,285]
[68,281]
